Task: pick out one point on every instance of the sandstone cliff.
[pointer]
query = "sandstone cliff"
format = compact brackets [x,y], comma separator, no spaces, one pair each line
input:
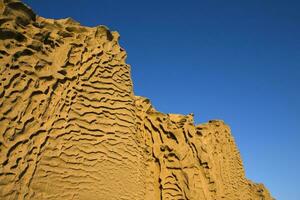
[71,127]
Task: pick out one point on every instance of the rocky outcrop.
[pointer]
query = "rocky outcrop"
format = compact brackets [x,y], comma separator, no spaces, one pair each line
[185,161]
[71,127]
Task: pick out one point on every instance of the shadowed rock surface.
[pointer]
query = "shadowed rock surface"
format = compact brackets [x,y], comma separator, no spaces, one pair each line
[71,127]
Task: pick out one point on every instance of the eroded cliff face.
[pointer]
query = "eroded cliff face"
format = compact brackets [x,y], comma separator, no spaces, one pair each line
[71,127]
[184,161]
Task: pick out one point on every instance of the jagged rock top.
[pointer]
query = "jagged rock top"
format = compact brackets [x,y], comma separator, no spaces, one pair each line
[72,128]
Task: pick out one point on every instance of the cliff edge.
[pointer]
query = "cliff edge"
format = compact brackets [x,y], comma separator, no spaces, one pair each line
[72,128]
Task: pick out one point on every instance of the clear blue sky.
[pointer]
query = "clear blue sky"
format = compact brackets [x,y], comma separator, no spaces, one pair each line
[233,60]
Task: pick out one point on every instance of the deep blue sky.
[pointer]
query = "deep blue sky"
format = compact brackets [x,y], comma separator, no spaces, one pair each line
[233,60]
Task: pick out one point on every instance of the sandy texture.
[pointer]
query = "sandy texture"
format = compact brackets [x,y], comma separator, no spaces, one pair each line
[184,161]
[71,127]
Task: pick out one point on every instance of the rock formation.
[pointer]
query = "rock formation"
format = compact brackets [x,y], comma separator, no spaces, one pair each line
[71,127]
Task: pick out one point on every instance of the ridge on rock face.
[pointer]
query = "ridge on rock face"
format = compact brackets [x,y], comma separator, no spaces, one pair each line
[71,127]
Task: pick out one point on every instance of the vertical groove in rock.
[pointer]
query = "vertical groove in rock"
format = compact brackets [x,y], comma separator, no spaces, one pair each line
[71,127]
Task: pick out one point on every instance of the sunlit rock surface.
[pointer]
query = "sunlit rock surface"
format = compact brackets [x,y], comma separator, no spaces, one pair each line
[71,127]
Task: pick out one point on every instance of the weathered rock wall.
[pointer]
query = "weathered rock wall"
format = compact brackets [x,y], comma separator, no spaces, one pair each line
[71,127]
[184,161]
